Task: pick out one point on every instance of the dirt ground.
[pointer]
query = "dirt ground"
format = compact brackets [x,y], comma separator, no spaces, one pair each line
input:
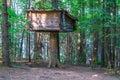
[67,73]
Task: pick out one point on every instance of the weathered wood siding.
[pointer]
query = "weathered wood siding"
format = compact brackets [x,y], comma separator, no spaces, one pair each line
[44,21]
[50,21]
[67,23]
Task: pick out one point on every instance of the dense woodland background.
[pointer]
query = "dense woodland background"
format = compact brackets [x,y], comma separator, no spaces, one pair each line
[96,38]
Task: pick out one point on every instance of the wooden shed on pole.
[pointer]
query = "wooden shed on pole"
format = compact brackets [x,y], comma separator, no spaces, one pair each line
[53,21]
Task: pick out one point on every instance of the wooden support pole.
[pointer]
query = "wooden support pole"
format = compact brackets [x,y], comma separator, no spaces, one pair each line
[54,50]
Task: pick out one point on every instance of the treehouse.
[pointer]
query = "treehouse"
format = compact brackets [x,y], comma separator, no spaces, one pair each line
[51,21]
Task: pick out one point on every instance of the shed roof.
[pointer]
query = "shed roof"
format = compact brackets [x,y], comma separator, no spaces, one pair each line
[47,11]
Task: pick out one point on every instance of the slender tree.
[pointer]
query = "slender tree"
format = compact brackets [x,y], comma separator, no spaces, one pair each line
[95,34]
[5,37]
[28,36]
[103,62]
[82,43]
[114,37]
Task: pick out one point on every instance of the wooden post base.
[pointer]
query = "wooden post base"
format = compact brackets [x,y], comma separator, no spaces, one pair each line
[54,50]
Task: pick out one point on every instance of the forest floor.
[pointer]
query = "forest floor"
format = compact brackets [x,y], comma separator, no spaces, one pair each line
[34,72]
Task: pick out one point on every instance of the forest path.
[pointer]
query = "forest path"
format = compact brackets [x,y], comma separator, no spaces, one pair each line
[68,73]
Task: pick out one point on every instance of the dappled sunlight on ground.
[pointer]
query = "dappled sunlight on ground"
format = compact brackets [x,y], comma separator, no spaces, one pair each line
[95,75]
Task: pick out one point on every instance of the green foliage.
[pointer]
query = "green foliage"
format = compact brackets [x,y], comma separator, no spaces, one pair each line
[118,77]
[17,24]
[16,64]
[0,12]
[12,16]
[42,5]
[93,15]
[108,66]
[97,62]
[81,60]
[18,21]
[62,58]
[0,52]
[2,66]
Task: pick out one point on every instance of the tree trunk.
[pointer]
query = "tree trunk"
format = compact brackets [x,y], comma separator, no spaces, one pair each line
[28,46]
[54,48]
[103,49]
[82,42]
[5,37]
[28,37]
[103,39]
[114,38]
[95,45]
[21,43]
[95,38]
[108,38]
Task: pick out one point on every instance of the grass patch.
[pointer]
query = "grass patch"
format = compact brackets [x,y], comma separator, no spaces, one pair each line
[118,77]
[2,66]
[16,64]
